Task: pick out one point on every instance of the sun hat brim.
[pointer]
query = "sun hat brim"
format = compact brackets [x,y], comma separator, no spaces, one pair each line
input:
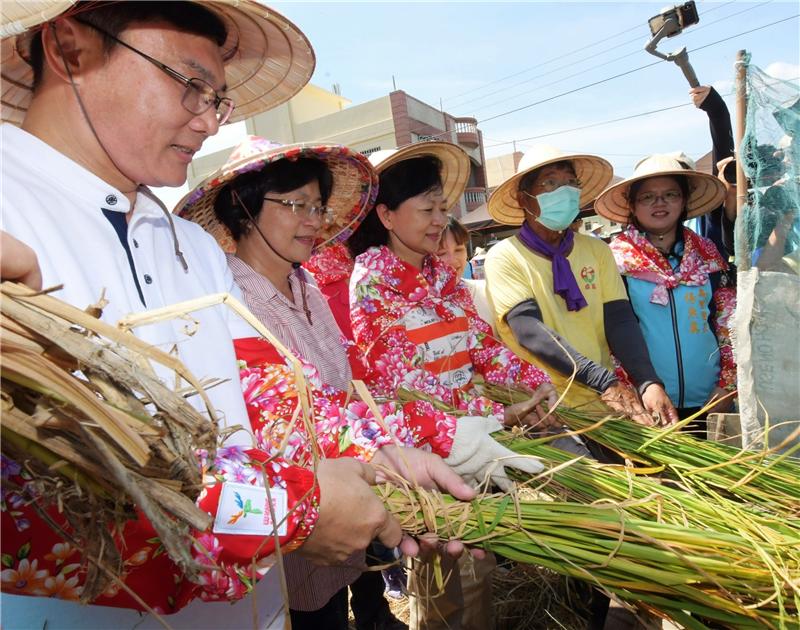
[455,164]
[706,192]
[592,171]
[355,186]
[267,58]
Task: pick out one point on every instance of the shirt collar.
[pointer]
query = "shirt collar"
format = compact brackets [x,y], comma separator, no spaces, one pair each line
[245,274]
[74,178]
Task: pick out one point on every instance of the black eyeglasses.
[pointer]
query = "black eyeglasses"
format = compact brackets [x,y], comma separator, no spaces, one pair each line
[199,95]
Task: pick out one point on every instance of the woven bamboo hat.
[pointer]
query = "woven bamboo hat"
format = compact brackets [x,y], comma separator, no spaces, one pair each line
[592,171]
[267,58]
[355,186]
[706,192]
[455,164]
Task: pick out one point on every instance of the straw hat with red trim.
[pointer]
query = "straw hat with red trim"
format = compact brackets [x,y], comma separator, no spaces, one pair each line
[455,164]
[592,171]
[355,186]
[267,58]
[706,192]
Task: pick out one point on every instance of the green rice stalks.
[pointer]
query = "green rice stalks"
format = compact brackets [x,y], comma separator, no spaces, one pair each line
[686,574]
[762,479]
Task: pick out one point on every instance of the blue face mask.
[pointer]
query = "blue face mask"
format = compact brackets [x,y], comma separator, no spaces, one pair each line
[559,208]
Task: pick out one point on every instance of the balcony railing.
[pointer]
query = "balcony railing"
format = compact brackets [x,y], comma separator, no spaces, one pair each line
[475,197]
[467,131]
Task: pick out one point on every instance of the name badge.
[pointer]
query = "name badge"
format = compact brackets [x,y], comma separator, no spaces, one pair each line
[244,509]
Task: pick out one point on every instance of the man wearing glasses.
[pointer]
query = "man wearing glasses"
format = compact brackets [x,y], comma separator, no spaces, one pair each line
[112,98]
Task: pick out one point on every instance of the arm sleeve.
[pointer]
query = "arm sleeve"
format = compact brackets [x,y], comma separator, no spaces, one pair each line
[492,359]
[529,331]
[719,122]
[627,343]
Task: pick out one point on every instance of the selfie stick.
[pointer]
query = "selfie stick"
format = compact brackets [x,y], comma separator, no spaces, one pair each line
[670,27]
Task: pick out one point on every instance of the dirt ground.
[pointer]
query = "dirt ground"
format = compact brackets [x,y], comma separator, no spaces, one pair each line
[532,598]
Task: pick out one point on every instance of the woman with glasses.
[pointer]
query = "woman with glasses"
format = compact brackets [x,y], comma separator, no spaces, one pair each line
[558,298]
[269,207]
[676,280]
[416,327]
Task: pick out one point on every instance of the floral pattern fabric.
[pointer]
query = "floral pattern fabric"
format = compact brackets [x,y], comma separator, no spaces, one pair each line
[37,561]
[385,292]
[638,258]
[343,427]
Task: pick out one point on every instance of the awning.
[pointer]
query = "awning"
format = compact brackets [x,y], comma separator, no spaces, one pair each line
[477,219]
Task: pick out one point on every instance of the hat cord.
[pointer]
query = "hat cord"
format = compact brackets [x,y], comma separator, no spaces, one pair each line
[178,252]
[295,265]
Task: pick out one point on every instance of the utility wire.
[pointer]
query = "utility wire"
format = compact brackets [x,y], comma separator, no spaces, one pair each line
[613,120]
[622,74]
[595,67]
[583,87]
[577,50]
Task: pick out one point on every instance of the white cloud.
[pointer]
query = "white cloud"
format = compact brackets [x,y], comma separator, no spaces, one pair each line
[783,70]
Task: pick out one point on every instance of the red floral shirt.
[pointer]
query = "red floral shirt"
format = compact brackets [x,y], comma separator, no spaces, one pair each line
[419,330]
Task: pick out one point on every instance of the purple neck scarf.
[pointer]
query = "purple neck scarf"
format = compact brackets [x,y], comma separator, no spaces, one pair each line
[564,283]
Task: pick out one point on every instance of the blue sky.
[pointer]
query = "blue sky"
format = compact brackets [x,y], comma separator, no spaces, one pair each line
[484,59]
[459,52]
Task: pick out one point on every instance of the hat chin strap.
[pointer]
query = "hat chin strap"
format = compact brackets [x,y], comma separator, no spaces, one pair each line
[176,244]
[254,223]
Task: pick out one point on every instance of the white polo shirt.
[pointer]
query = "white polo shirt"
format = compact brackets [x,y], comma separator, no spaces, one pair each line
[55,206]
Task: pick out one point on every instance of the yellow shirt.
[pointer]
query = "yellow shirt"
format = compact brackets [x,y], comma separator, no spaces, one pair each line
[515,274]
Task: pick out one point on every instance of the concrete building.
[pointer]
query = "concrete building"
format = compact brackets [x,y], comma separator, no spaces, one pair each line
[394,120]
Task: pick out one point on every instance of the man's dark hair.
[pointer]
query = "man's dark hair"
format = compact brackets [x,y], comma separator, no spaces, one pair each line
[277,177]
[114,17]
[527,181]
[398,183]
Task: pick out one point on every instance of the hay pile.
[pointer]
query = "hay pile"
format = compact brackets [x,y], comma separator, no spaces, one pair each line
[86,417]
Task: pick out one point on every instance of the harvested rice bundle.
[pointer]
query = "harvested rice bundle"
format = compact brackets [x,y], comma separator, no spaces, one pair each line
[86,417]
[682,573]
[761,478]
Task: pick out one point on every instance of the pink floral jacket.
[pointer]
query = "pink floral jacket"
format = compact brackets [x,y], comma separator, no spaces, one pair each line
[419,330]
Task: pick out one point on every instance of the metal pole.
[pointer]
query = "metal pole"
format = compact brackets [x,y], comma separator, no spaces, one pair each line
[742,247]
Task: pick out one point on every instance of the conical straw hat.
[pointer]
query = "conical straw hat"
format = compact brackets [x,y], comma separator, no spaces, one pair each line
[592,171]
[267,58]
[455,164]
[355,186]
[706,192]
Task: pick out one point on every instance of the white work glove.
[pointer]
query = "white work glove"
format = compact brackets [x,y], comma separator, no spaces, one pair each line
[476,455]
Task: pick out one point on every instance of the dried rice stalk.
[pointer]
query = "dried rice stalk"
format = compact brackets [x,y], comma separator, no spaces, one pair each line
[100,440]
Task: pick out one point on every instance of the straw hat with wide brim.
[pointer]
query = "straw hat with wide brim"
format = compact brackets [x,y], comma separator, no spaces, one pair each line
[455,164]
[706,192]
[592,171]
[355,186]
[267,58]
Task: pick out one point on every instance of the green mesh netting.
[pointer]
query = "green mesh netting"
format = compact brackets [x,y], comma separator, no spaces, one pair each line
[770,153]
[767,320]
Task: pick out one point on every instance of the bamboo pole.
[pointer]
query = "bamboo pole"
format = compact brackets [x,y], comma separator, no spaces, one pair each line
[741,246]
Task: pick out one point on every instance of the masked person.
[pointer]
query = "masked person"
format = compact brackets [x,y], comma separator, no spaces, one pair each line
[417,329]
[558,299]
[676,281]
[122,96]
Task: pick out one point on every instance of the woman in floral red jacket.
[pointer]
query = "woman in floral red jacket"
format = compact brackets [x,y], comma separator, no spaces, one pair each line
[413,320]
[416,328]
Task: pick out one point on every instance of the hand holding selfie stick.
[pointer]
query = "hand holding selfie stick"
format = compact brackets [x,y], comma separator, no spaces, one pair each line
[670,22]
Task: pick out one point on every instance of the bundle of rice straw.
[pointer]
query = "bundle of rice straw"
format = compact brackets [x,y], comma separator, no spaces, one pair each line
[692,576]
[86,417]
[761,479]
